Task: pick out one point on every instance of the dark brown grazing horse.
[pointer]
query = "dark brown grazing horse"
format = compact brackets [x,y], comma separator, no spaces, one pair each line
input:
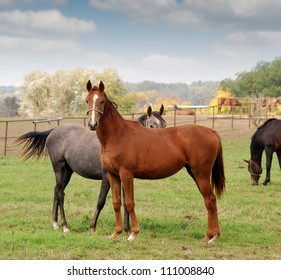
[130,151]
[230,102]
[267,138]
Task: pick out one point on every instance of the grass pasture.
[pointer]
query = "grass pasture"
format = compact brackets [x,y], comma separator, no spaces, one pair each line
[171,214]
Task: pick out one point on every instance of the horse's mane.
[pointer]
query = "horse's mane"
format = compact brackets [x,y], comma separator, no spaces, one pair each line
[113,103]
[261,128]
[142,118]
[110,101]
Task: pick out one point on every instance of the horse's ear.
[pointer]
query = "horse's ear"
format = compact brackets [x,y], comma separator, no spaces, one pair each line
[101,86]
[161,110]
[89,85]
[247,161]
[149,111]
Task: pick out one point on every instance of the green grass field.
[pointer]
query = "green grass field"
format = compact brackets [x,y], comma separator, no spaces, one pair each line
[171,214]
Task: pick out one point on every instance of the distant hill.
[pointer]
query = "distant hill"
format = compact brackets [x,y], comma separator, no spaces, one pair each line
[198,93]
[7,90]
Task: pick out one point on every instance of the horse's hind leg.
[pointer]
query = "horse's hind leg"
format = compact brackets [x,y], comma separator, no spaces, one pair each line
[213,230]
[127,180]
[279,158]
[63,174]
[204,186]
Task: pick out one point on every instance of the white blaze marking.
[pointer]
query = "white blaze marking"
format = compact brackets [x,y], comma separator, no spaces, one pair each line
[95,97]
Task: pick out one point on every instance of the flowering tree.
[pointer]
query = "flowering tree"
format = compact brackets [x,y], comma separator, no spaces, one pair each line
[63,93]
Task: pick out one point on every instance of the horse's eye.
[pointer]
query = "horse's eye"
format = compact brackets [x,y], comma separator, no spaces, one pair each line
[87,101]
[102,102]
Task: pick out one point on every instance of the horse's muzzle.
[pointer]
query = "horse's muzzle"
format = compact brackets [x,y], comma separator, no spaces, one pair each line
[93,127]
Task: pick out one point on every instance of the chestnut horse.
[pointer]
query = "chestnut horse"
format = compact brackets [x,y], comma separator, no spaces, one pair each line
[67,146]
[130,151]
[230,102]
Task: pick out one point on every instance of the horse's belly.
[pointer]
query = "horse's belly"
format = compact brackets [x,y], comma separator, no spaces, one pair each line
[159,172]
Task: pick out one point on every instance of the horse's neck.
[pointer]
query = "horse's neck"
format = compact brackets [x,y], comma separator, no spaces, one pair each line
[256,153]
[110,126]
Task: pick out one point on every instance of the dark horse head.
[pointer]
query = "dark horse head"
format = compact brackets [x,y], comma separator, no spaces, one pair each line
[255,171]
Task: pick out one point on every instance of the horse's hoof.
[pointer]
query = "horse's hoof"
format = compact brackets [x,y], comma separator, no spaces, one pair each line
[65,229]
[131,237]
[209,240]
[213,239]
[114,235]
[55,226]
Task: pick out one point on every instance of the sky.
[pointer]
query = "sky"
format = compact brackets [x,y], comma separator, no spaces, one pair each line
[165,41]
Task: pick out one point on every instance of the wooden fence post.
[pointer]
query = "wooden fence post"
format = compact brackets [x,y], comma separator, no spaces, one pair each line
[213,119]
[232,116]
[175,113]
[6,138]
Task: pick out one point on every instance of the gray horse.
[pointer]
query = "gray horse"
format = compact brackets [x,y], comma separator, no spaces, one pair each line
[68,146]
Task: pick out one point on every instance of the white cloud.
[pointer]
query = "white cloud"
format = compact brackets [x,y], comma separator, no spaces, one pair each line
[10,3]
[42,22]
[37,45]
[236,37]
[270,36]
[235,52]
[249,14]
[167,62]
[13,3]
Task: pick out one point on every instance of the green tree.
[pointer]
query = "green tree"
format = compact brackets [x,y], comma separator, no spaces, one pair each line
[263,80]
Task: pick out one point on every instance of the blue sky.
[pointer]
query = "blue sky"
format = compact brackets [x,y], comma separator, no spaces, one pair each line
[162,40]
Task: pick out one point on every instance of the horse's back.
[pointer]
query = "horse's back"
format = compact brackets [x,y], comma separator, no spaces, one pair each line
[144,150]
[272,133]
[270,127]
[71,143]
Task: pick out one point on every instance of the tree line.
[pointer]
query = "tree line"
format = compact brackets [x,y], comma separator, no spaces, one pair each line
[63,92]
[264,80]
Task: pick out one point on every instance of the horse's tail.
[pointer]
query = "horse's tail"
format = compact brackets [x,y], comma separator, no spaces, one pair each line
[34,143]
[218,176]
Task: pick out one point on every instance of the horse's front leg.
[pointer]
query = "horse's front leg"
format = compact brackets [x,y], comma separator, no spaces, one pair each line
[128,185]
[127,227]
[269,154]
[105,186]
[115,184]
